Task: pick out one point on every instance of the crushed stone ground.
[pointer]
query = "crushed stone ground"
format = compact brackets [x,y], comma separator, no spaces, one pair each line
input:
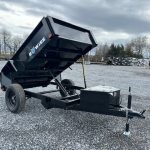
[58,129]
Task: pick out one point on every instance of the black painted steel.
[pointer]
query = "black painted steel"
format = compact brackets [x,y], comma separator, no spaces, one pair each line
[53,46]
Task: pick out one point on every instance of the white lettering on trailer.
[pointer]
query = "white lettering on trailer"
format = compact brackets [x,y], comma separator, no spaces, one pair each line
[33,50]
[40,43]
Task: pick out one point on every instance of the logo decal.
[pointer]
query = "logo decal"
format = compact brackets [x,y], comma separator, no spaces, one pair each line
[34,48]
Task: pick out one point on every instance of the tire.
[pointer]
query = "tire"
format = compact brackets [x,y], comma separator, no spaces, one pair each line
[67,82]
[15,98]
[46,104]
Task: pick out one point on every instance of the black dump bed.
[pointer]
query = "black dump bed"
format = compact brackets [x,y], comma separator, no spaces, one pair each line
[53,46]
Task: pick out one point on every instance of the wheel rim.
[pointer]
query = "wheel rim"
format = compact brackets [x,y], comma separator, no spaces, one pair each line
[12,99]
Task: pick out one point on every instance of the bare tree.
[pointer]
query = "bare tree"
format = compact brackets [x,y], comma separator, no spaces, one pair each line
[139,44]
[6,39]
[101,51]
[16,43]
[106,48]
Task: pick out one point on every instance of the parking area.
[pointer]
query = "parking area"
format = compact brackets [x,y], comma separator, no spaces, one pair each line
[58,129]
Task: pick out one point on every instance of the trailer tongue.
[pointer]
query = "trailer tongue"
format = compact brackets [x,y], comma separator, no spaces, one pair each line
[52,47]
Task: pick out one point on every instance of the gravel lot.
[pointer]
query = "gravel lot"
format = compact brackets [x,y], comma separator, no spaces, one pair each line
[57,129]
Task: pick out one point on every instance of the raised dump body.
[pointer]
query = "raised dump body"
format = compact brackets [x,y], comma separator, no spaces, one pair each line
[53,46]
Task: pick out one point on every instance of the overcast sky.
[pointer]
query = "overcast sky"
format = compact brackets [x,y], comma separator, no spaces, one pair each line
[110,20]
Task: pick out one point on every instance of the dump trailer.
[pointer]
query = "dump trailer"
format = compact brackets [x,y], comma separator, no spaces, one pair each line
[52,47]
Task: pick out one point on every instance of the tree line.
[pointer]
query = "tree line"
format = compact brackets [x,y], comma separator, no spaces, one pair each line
[136,47]
[9,44]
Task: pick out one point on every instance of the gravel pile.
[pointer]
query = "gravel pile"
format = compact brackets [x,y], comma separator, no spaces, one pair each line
[129,61]
[58,129]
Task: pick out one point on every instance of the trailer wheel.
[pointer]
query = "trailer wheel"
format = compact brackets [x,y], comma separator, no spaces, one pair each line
[15,98]
[67,82]
[46,104]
